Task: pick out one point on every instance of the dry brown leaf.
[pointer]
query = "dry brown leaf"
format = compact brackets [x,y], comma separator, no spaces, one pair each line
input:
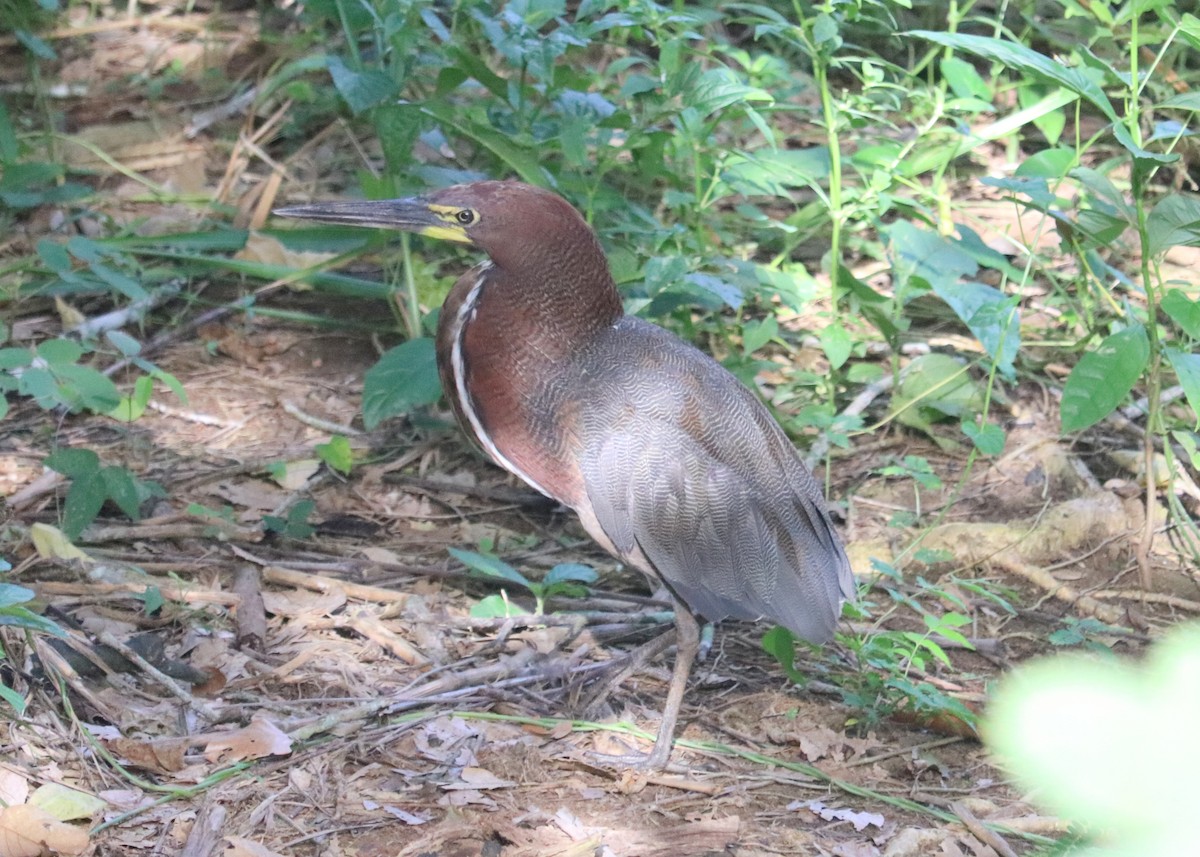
[164,757]
[14,788]
[29,831]
[479,778]
[296,602]
[240,846]
[261,738]
[270,251]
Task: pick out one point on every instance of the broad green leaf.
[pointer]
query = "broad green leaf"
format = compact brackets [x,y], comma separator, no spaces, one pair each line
[964,80]
[15,358]
[17,702]
[991,316]
[1103,378]
[360,90]
[758,332]
[11,594]
[489,566]
[526,164]
[781,643]
[121,487]
[65,803]
[1187,368]
[75,463]
[132,407]
[336,454]
[496,607]
[1047,721]
[119,281]
[85,497]
[837,344]
[927,255]
[404,378]
[123,342]
[1020,58]
[1182,101]
[1184,311]
[56,351]
[1047,164]
[570,571]
[23,617]
[1174,222]
[988,438]
[83,386]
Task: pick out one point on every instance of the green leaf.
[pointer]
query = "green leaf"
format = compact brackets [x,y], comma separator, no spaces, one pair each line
[1184,311]
[84,499]
[15,358]
[123,342]
[121,487]
[336,454]
[75,463]
[120,282]
[526,164]
[489,566]
[360,90]
[837,344]
[991,316]
[1174,222]
[781,643]
[83,386]
[152,600]
[964,80]
[132,407]
[1187,368]
[1103,378]
[921,253]
[572,571]
[22,617]
[758,332]
[11,595]
[55,351]
[496,607]
[404,378]
[1020,58]
[988,438]
[14,699]
[1048,164]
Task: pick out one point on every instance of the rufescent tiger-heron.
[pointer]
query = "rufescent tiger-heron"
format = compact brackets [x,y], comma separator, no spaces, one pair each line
[672,465]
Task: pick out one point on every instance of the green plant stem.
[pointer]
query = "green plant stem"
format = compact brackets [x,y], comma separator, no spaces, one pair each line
[836,213]
[412,314]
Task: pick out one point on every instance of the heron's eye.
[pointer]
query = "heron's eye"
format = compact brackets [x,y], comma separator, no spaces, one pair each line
[466,217]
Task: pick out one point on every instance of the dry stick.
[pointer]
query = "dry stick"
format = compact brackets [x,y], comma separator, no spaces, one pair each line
[414,695]
[319,583]
[206,831]
[980,832]
[251,614]
[318,423]
[370,628]
[169,589]
[1059,590]
[1150,597]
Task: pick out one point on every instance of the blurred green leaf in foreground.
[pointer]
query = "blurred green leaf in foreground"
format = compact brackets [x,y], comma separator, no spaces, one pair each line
[1109,744]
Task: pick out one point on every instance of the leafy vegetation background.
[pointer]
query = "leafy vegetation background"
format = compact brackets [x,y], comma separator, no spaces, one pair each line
[952,245]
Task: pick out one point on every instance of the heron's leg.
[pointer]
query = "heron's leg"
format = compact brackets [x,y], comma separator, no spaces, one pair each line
[687,643]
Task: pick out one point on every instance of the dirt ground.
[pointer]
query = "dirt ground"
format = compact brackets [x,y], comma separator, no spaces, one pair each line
[361,709]
[333,693]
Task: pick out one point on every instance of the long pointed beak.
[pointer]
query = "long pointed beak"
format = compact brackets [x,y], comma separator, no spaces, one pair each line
[408,215]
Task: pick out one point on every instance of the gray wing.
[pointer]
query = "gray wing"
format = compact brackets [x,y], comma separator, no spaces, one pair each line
[728,543]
